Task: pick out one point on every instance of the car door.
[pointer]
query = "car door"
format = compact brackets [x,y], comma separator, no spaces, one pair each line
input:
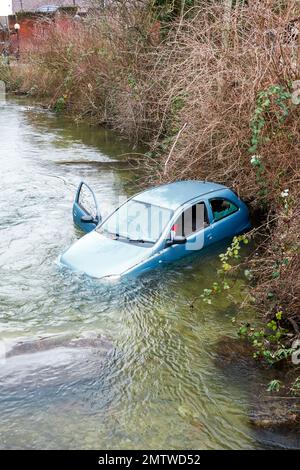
[226,218]
[194,224]
[86,214]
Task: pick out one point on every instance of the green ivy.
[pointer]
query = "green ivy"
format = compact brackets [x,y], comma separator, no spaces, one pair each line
[275,94]
[268,342]
[272,105]
[232,253]
[274,386]
[60,104]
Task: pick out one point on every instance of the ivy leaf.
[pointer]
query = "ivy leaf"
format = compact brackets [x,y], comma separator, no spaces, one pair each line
[279,315]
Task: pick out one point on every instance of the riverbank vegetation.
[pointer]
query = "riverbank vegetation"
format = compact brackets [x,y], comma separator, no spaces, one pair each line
[213,89]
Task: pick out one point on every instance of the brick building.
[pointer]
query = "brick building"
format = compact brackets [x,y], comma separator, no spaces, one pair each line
[27,14]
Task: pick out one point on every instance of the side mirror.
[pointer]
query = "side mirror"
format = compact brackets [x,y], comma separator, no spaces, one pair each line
[89,219]
[177,240]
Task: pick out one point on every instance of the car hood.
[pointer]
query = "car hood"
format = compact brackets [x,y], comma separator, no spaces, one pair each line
[99,256]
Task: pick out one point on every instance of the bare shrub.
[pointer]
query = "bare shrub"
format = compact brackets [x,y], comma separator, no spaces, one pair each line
[207,78]
[87,65]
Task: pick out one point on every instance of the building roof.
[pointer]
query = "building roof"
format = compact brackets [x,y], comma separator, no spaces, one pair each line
[174,195]
[32,5]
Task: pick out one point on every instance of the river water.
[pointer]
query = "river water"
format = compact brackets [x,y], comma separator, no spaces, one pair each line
[158,386]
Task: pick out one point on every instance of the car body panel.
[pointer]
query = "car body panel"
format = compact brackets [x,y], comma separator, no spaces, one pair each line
[236,223]
[80,211]
[195,243]
[100,255]
[174,195]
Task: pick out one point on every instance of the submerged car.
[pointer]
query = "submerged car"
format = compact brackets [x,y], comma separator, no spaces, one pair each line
[152,228]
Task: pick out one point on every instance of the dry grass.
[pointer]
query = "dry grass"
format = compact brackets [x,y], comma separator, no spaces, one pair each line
[87,68]
[215,82]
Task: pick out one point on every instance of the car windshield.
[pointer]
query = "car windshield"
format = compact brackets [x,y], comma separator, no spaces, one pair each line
[136,221]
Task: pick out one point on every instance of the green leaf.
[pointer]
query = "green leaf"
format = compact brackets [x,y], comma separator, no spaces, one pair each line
[243,330]
[279,315]
[275,274]
[274,386]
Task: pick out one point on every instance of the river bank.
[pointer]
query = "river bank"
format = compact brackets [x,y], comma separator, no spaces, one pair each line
[210,103]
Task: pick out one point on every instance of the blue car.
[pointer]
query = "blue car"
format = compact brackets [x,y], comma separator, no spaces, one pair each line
[153,228]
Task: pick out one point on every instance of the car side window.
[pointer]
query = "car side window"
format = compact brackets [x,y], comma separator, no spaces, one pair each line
[192,220]
[222,208]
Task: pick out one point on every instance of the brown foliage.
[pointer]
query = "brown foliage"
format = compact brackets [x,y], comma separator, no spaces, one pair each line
[192,96]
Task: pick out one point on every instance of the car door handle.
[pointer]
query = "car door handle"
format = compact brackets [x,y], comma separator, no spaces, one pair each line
[210,237]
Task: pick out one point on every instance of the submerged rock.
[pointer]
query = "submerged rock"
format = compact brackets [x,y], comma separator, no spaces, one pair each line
[52,363]
[230,351]
[275,413]
[33,345]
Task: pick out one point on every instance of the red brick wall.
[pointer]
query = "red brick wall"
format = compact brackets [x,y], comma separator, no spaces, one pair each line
[28,29]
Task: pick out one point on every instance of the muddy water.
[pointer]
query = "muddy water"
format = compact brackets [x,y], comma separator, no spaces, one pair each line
[153,383]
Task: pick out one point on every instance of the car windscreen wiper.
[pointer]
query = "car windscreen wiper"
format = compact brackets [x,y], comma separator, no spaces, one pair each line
[139,240]
[117,236]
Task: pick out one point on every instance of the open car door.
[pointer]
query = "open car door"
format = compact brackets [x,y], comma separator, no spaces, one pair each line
[86,214]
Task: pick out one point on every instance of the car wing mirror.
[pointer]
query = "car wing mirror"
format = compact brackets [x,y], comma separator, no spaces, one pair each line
[177,240]
[89,219]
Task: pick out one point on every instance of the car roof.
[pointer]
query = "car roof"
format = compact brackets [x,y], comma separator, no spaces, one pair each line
[174,195]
